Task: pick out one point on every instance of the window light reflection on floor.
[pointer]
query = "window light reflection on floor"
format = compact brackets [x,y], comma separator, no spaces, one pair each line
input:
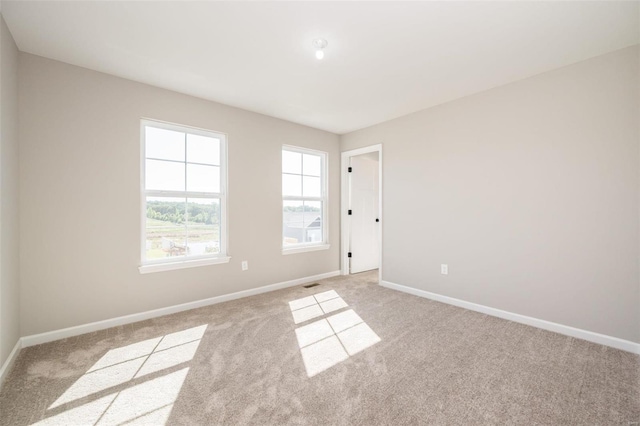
[316,306]
[331,340]
[148,403]
[145,401]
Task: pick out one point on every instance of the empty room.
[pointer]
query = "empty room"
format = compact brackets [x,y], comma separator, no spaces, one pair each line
[319,213]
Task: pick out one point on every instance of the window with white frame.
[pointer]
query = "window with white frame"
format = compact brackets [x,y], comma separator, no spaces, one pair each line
[183,194]
[304,198]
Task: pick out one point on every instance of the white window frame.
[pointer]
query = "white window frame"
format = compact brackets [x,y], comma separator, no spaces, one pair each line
[158,265]
[324,198]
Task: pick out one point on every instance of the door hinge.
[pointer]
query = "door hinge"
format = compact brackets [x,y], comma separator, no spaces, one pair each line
[349,254]
[349,212]
[350,169]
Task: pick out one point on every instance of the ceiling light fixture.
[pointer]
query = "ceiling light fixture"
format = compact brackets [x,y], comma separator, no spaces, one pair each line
[319,45]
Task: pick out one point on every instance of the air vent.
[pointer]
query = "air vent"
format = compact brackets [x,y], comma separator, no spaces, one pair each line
[311,285]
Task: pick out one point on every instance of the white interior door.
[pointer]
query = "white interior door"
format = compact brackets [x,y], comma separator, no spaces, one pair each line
[363,191]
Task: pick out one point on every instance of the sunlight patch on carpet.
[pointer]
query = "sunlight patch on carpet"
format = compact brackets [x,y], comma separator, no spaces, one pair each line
[331,340]
[135,399]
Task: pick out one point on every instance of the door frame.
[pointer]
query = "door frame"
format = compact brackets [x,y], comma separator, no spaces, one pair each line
[345,228]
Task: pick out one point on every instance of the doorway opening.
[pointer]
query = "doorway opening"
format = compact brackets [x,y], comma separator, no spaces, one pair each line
[361,225]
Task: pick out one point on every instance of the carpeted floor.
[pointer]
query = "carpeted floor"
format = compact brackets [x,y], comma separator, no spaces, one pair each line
[360,354]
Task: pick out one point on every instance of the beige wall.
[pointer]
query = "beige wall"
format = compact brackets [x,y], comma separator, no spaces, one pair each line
[529,192]
[9,285]
[80,200]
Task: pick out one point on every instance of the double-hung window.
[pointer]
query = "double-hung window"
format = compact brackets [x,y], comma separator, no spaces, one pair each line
[183,184]
[304,200]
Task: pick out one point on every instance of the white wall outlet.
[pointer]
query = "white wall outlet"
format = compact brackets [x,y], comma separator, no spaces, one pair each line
[245,265]
[444,269]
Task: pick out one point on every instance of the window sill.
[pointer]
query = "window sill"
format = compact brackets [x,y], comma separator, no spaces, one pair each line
[169,266]
[304,249]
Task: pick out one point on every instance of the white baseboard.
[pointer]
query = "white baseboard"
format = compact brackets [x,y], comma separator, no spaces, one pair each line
[6,367]
[50,336]
[601,339]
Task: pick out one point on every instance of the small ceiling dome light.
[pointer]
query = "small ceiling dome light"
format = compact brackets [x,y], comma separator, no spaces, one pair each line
[319,44]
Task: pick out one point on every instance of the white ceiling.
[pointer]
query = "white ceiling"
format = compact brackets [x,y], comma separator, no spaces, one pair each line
[384,59]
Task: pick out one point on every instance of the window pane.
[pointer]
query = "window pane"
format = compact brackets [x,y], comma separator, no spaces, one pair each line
[203,178]
[291,162]
[203,228]
[292,222]
[311,186]
[313,221]
[311,165]
[165,228]
[202,149]
[291,185]
[164,144]
[164,175]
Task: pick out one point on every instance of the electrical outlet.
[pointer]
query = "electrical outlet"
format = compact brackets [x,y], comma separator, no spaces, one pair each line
[245,265]
[444,269]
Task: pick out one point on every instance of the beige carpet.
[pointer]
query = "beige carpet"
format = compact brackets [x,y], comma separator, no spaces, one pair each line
[358,354]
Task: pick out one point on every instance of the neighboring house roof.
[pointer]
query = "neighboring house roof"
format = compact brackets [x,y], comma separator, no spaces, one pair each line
[301,220]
